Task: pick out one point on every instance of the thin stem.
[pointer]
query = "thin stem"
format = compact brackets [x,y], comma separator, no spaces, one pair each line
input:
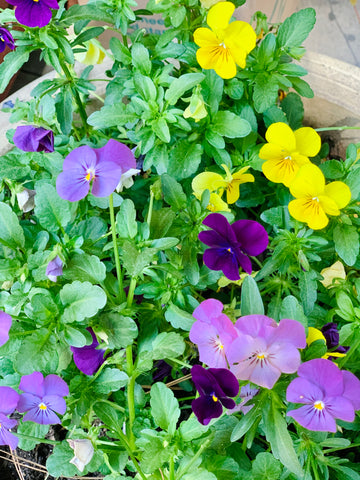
[130,296]
[151,203]
[36,439]
[193,460]
[116,250]
[112,404]
[331,450]
[257,261]
[95,95]
[171,469]
[325,129]
[131,406]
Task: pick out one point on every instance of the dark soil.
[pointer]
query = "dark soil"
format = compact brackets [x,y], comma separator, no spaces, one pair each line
[29,471]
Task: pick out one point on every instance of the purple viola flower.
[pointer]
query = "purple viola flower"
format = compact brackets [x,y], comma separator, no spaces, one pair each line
[54,269]
[264,349]
[6,39]
[232,244]
[34,13]
[332,337]
[326,392]
[213,333]
[42,397]
[88,359]
[8,402]
[103,166]
[246,394]
[5,324]
[215,386]
[34,139]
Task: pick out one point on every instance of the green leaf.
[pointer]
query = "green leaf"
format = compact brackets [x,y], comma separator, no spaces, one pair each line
[265,91]
[109,415]
[120,51]
[164,407]
[168,345]
[12,63]
[81,300]
[33,430]
[88,34]
[43,306]
[173,193]
[177,15]
[64,109]
[135,261]
[11,233]
[308,290]
[117,114]
[161,129]
[251,301]
[302,87]
[153,454]
[290,308]
[294,109]
[126,225]
[192,429]
[180,85]
[110,380]
[74,337]
[14,167]
[333,169]
[295,29]
[52,211]
[229,125]
[140,58]
[121,331]
[185,158]
[346,239]
[266,466]
[246,422]
[84,268]
[179,318]
[58,464]
[145,86]
[8,269]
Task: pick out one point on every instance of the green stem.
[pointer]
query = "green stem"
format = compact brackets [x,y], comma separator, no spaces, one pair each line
[331,450]
[131,406]
[112,404]
[176,360]
[257,261]
[353,349]
[325,129]
[36,439]
[116,250]
[130,296]
[151,203]
[171,469]
[193,460]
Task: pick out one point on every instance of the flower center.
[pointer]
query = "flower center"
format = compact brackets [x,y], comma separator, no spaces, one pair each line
[315,199]
[222,44]
[90,173]
[319,405]
[42,406]
[215,399]
[261,355]
[288,157]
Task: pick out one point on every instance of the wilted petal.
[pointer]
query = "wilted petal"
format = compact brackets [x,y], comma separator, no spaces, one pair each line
[54,269]
[33,139]
[83,451]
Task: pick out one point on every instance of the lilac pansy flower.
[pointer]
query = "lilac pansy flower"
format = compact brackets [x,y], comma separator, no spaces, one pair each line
[264,349]
[33,139]
[54,269]
[231,245]
[246,394]
[88,359]
[326,392]
[8,403]
[34,13]
[6,40]
[42,397]
[103,167]
[5,324]
[213,333]
[215,386]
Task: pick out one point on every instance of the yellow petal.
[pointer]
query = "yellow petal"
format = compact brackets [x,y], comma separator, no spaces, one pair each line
[208,181]
[270,151]
[225,64]
[280,171]
[216,204]
[308,142]
[207,57]
[339,192]
[336,270]
[240,38]
[329,205]
[219,15]
[313,335]
[205,38]
[309,181]
[308,211]
[281,134]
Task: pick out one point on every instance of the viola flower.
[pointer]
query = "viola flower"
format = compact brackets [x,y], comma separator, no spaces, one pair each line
[314,200]
[332,273]
[264,349]
[327,394]
[94,54]
[26,199]
[34,139]
[83,452]
[226,44]
[5,325]
[246,394]
[332,338]
[88,359]
[213,333]
[215,386]
[8,402]
[6,39]
[126,180]
[54,269]
[42,397]
[34,13]
[287,150]
[102,166]
[231,244]
[196,109]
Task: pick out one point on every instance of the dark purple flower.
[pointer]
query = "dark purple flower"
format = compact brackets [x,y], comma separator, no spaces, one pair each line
[231,244]
[42,397]
[34,139]
[8,402]
[34,13]
[54,269]
[103,166]
[6,39]
[326,392]
[215,386]
[5,324]
[88,359]
[332,338]
[264,349]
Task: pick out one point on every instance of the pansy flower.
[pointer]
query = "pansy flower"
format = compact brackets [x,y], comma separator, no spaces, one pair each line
[264,349]
[326,392]
[6,39]
[196,109]
[213,333]
[314,200]
[332,273]
[5,324]
[287,150]
[8,402]
[54,269]
[33,139]
[226,44]
[34,13]
[215,386]
[89,358]
[42,397]
[230,245]
[103,167]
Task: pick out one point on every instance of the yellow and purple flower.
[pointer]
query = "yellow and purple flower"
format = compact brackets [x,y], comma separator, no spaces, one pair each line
[8,403]
[89,358]
[34,13]
[34,139]
[6,39]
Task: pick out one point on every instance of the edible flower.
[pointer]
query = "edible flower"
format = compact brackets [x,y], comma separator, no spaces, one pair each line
[83,452]
[332,273]
[196,109]
[8,402]
[5,325]
[34,139]
[34,13]
[6,39]
[54,269]
[89,358]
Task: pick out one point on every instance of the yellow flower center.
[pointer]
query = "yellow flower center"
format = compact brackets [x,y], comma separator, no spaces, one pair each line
[42,406]
[261,356]
[90,174]
[315,199]
[319,405]
[215,398]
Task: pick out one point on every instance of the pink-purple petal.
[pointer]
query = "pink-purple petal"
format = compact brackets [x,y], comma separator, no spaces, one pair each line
[8,438]
[84,158]
[9,399]
[284,356]
[341,408]
[313,419]
[43,417]
[107,177]
[264,374]
[56,403]
[256,325]
[289,331]
[54,385]
[319,371]
[72,185]
[118,153]
[27,401]
[208,309]
[5,325]
[33,383]
[301,390]
[351,388]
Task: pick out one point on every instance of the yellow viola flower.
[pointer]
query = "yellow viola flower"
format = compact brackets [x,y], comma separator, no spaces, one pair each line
[313,335]
[336,270]
[94,54]
[216,204]
[226,44]
[196,109]
[314,200]
[287,150]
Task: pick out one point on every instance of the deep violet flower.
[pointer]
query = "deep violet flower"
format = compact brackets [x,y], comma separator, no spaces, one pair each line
[34,13]
[54,269]
[8,402]
[5,324]
[103,166]
[264,349]
[34,139]
[326,392]
[42,397]
[6,39]
[213,333]
[332,337]
[88,358]
[215,386]
[231,244]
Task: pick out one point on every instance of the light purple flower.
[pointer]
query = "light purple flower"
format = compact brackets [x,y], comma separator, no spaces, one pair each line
[232,244]
[54,269]
[42,397]
[264,349]
[88,359]
[34,13]
[34,139]
[213,333]
[246,394]
[6,39]
[327,393]
[8,402]
[5,325]
[102,166]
